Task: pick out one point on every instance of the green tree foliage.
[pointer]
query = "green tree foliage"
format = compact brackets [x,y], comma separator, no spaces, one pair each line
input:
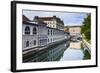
[86,28]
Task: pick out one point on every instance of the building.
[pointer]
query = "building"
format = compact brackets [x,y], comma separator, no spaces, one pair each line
[33,35]
[53,22]
[38,34]
[73,30]
[55,34]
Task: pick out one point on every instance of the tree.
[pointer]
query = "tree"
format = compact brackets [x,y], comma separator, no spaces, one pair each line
[86,28]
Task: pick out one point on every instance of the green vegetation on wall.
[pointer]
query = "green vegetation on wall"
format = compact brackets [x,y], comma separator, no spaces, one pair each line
[86,55]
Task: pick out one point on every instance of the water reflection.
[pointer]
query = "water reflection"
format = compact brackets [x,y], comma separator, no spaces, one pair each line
[75,45]
[53,53]
[74,52]
[61,52]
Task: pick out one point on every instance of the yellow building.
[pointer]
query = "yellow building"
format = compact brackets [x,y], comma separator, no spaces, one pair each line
[73,30]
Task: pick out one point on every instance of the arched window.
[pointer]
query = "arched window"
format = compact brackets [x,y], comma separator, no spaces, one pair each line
[34,42]
[27,43]
[27,30]
[34,30]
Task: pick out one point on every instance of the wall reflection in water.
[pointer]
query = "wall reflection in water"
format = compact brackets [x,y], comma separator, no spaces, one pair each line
[53,53]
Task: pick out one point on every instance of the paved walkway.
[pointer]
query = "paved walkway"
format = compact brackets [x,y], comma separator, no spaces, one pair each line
[88,44]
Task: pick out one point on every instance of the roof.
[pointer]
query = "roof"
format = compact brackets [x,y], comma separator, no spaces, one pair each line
[25,18]
[48,19]
[54,29]
[33,23]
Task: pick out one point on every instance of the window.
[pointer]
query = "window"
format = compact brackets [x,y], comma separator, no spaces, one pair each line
[51,39]
[34,30]
[27,30]
[48,31]
[34,42]
[27,43]
[51,32]
[48,40]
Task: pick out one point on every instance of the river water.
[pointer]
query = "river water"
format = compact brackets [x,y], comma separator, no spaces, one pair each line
[63,52]
[73,52]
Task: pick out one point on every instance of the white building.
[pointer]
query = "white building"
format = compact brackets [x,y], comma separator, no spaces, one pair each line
[38,34]
[34,35]
[55,35]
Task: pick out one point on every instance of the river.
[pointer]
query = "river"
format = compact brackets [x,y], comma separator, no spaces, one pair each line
[73,52]
[65,51]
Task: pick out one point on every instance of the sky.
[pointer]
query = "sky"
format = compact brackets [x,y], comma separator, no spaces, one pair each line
[69,18]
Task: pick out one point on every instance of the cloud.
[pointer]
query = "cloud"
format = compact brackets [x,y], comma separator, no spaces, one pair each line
[71,18]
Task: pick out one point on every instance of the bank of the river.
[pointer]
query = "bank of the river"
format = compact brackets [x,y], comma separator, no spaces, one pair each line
[87,50]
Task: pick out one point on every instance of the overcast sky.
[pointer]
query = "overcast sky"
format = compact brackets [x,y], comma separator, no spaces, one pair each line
[69,18]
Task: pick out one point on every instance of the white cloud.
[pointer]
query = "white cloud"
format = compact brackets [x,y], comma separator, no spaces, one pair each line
[67,17]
